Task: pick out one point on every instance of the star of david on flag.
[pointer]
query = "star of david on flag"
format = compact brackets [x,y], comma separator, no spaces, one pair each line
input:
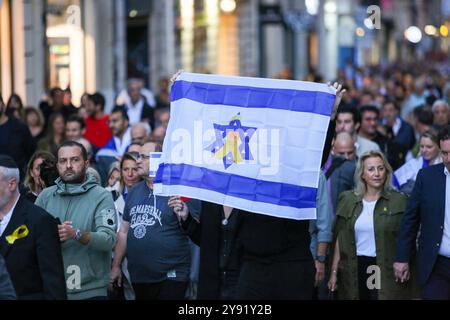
[232,142]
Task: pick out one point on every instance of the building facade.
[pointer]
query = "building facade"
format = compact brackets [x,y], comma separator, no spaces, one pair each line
[96,45]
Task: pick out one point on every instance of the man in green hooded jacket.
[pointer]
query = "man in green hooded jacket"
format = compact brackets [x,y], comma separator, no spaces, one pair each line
[88,224]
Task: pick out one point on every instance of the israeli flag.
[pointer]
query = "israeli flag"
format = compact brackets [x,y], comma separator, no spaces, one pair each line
[248,143]
[409,171]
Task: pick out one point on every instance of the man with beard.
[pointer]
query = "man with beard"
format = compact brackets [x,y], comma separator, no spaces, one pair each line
[116,147]
[15,139]
[97,131]
[88,229]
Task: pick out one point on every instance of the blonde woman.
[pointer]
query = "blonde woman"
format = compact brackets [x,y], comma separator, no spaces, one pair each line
[365,233]
[404,177]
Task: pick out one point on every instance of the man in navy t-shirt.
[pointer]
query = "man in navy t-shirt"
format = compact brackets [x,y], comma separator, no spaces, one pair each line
[156,248]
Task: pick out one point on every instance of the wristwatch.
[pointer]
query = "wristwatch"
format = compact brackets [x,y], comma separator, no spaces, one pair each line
[77,235]
[321,259]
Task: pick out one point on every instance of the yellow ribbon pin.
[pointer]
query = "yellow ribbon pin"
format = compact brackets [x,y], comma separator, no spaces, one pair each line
[19,233]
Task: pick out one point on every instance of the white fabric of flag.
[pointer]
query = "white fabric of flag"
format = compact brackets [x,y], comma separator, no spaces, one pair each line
[249,143]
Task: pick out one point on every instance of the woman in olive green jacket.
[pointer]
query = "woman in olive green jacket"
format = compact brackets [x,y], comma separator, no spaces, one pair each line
[365,232]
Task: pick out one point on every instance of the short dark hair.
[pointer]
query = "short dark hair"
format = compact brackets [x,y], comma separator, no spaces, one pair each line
[122,110]
[77,118]
[369,108]
[393,102]
[74,144]
[54,90]
[349,109]
[430,99]
[367,92]
[444,133]
[423,115]
[98,99]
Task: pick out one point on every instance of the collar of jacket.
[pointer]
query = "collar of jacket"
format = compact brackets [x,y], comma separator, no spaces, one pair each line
[384,194]
[65,189]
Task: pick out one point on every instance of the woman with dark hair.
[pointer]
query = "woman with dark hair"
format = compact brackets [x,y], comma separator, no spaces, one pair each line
[35,121]
[34,183]
[15,139]
[14,107]
[365,235]
[55,135]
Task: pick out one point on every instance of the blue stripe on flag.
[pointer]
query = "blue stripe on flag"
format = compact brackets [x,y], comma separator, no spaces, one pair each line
[276,193]
[253,97]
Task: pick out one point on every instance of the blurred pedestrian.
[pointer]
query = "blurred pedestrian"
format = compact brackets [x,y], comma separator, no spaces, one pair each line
[137,106]
[75,129]
[441,114]
[399,130]
[97,132]
[116,147]
[342,169]
[140,131]
[405,177]
[35,122]
[15,139]
[14,107]
[55,134]
[348,120]
[113,178]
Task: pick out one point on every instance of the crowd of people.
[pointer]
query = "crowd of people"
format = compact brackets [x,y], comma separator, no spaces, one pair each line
[79,219]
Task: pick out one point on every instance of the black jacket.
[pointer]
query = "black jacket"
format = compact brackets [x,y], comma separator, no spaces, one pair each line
[16,141]
[147,114]
[426,209]
[34,262]
[395,153]
[206,234]
[268,239]
[6,288]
